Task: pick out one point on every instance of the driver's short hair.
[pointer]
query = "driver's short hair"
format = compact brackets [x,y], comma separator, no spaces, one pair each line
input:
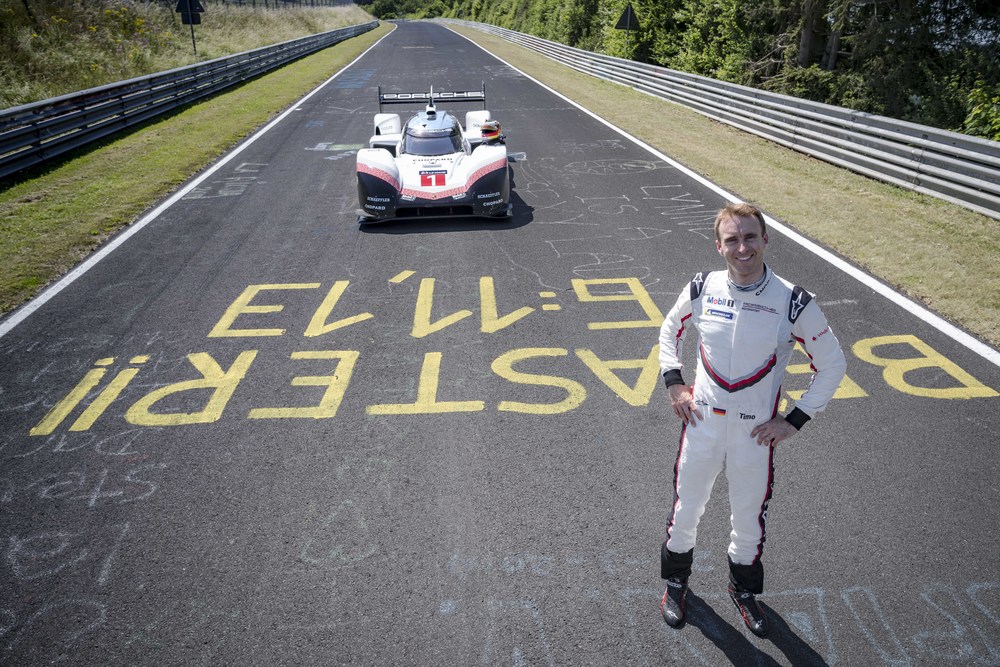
[732,210]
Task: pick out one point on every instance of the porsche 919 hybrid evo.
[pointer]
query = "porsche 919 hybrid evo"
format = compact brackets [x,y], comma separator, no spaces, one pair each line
[433,167]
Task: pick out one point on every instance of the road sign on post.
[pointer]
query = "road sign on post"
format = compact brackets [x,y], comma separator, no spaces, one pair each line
[628,21]
[190,11]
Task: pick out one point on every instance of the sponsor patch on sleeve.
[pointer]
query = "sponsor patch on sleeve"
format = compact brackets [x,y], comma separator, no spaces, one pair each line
[822,333]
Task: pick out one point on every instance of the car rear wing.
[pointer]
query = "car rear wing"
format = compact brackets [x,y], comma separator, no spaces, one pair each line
[431,97]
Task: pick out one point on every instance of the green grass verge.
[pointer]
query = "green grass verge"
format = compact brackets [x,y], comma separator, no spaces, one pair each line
[935,252]
[52,221]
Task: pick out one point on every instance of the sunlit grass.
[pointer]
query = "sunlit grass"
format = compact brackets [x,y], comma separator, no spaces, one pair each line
[240,31]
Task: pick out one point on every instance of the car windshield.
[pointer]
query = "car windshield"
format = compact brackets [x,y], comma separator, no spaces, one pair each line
[425,145]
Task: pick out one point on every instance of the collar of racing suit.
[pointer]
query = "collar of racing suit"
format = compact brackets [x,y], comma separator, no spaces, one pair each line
[749,288]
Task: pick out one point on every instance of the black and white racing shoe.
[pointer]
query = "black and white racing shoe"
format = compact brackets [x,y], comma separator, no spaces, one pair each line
[672,604]
[751,611]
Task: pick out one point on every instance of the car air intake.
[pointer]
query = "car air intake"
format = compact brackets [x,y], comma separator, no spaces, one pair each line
[434,212]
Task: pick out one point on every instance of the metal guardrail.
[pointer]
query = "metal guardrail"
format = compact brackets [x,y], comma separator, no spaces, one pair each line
[962,169]
[34,133]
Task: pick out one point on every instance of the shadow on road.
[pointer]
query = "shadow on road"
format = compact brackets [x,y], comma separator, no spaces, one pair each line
[739,649]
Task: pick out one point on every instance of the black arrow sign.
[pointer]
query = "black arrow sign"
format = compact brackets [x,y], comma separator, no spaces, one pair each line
[628,20]
[189,7]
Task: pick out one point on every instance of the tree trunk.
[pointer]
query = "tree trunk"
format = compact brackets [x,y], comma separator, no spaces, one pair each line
[839,16]
[811,39]
[832,48]
[27,8]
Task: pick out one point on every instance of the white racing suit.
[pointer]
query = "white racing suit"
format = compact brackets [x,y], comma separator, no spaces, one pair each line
[747,338]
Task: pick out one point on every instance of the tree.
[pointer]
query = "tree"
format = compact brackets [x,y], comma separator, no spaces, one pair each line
[929,61]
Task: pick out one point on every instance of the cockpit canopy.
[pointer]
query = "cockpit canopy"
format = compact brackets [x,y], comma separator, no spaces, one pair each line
[430,133]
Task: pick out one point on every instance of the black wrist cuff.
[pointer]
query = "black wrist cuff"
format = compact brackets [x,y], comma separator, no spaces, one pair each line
[797,418]
[672,377]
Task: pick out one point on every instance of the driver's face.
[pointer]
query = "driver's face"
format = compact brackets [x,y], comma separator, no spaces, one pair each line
[742,244]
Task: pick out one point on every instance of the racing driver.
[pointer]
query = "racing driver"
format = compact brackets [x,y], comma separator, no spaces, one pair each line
[748,320]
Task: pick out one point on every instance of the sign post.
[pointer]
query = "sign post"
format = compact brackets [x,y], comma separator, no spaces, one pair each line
[190,11]
[628,21]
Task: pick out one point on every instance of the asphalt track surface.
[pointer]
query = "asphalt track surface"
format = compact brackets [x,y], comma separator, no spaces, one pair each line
[448,446]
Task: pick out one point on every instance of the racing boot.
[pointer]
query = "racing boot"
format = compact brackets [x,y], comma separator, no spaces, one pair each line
[751,611]
[672,604]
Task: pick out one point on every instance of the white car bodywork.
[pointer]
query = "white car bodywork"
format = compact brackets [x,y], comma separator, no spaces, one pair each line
[433,166]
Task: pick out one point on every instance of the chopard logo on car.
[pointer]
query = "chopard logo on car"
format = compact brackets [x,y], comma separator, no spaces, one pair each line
[720,313]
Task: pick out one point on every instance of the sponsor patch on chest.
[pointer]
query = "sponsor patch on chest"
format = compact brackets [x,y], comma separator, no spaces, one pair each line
[759,308]
[719,301]
[721,314]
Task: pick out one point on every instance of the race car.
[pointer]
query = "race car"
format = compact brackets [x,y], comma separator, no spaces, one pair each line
[433,167]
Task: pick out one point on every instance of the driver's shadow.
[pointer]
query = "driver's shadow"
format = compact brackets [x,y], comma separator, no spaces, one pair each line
[739,646]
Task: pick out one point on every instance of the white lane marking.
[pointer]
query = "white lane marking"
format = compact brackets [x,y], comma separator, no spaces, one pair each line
[27,309]
[939,323]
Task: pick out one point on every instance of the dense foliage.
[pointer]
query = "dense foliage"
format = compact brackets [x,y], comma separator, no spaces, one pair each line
[934,62]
